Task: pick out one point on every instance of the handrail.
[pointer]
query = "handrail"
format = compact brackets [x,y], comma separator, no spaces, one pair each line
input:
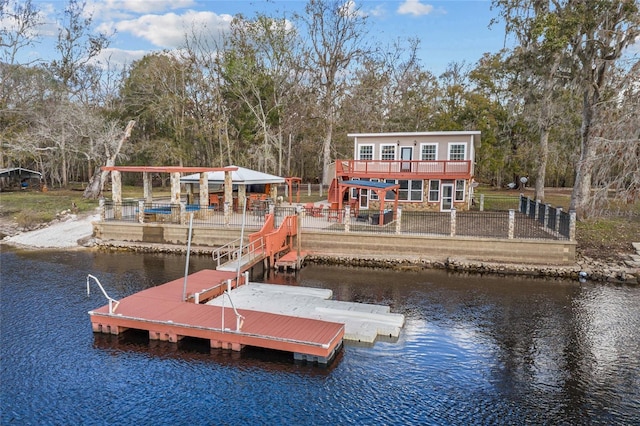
[229,250]
[239,318]
[111,300]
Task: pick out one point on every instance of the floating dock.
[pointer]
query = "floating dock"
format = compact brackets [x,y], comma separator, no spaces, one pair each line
[290,261]
[364,322]
[162,312]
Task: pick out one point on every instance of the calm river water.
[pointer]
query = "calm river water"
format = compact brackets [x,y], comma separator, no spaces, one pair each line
[474,350]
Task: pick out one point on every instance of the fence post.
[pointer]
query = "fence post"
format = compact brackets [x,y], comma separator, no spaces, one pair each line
[558,215]
[512,224]
[347,219]
[320,190]
[572,225]
[526,209]
[227,213]
[183,213]
[141,211]
[399,220]
[103,213]
[481,202]
[535,214]
[453,221]
[309,189]
[546,216]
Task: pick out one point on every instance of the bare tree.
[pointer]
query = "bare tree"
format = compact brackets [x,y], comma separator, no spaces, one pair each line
[77,45]
[111,146]
[337,33]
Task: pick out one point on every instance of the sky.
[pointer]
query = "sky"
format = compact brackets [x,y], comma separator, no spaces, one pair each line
[448,30]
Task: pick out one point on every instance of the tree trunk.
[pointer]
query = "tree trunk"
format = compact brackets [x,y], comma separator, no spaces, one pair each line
[95,187]
[326,153]
[580,196]
[542,163]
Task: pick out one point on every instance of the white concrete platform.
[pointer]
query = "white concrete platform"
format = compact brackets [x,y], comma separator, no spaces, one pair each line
[363,322]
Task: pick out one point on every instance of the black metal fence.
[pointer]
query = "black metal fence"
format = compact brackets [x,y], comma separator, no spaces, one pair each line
[532,221]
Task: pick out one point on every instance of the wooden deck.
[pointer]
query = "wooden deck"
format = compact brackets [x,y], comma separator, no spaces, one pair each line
[290,261]
[161,311]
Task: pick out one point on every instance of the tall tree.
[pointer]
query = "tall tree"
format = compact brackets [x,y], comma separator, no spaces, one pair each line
[77,45]
[603,29]
[337,40]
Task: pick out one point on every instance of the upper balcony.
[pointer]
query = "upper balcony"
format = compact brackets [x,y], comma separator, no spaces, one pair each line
[403,169]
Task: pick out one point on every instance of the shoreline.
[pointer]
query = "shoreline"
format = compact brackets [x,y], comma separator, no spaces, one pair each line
[75,232]
[585,269]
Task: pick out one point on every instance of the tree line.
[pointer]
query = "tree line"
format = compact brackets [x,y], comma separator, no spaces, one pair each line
[280,93]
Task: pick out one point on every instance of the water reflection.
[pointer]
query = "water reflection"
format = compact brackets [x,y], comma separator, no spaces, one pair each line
[475,350]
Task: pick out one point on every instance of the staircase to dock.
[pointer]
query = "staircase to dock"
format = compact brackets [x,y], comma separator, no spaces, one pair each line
[269,243]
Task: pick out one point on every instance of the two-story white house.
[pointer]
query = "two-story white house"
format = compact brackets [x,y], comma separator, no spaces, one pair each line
[434,170]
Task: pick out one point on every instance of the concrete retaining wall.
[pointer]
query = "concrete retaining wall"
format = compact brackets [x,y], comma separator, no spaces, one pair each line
[542,252]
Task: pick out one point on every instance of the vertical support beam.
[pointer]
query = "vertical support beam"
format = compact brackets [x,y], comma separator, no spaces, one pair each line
[453,222]
[116,194]
[147,187]
[175,187]
[204,194]
[228,196]
[242,196]
[512,224]
[140,211]
[182,219]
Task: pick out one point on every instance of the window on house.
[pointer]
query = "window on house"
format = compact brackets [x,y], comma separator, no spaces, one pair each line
[388,152]
[457,151]
[390,195]
[459,190]
[434,190]
[410,190]
[366,152]
[416,190]
[429,152]
[373,195]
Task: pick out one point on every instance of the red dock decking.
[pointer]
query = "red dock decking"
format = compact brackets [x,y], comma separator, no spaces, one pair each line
[290,260]
[161,311]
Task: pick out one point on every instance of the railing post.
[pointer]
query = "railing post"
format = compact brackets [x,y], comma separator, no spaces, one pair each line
[141,211]
[558,216]
[512,224]
[481,202]
[453,221]
[399,220]
[347,219]
[572,225]
[535,214]
[526,210]
[309,189]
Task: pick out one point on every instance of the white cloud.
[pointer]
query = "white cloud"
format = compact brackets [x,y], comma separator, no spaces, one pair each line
[169,30]
[139,6]
[117,58]
[415,8]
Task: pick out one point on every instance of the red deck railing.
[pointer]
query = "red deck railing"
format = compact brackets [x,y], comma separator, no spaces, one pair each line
[404,169]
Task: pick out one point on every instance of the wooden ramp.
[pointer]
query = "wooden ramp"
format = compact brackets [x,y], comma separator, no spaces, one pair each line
[162,312]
